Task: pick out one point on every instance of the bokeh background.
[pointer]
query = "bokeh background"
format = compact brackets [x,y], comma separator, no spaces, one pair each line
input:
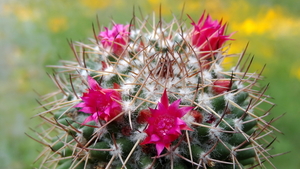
[34,33]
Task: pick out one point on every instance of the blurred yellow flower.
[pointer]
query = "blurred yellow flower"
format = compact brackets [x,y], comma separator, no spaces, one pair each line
[23,13]
[165,6]
[154,2]
[228,62]
[296,72]
[95,4]
[57,24]
[191,6]
[274,22]
[235,48]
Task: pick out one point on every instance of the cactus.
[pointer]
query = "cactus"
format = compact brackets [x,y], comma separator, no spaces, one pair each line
[155,96]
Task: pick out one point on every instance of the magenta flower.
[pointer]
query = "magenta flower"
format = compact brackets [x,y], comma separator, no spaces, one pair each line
[208,35]
[164,124]
[116,39]
[102,104]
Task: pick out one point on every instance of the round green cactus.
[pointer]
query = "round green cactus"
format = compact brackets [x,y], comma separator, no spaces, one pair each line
[155,96]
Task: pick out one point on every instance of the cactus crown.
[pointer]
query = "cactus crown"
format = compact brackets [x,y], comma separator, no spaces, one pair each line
[155,95]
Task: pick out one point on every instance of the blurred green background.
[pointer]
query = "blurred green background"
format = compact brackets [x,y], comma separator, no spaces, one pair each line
[34,33]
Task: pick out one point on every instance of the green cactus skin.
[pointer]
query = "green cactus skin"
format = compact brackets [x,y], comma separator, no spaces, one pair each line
[231,135]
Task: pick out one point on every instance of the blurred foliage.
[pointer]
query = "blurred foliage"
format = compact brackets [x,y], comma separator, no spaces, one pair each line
[35,33]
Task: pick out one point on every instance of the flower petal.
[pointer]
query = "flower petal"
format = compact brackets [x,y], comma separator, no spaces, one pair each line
[154,138]
[159,148]
[90,118]
[164,99]
[93,83]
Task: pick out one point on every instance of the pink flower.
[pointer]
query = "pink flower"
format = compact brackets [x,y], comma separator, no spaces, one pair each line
[116,39]
[208,35]
[102,104]
[164,124]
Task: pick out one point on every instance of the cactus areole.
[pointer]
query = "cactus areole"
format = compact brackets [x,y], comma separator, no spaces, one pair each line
[145,96]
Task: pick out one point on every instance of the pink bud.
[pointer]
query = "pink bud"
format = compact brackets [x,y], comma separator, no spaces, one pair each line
[143,116]
[197,116]
[221,86]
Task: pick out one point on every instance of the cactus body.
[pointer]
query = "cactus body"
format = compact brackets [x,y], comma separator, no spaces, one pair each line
[103,116]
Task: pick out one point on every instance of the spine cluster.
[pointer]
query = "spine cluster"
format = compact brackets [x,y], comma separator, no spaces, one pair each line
[146,96]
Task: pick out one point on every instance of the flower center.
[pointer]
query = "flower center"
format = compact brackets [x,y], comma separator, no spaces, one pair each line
[102,105]
[164,124]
